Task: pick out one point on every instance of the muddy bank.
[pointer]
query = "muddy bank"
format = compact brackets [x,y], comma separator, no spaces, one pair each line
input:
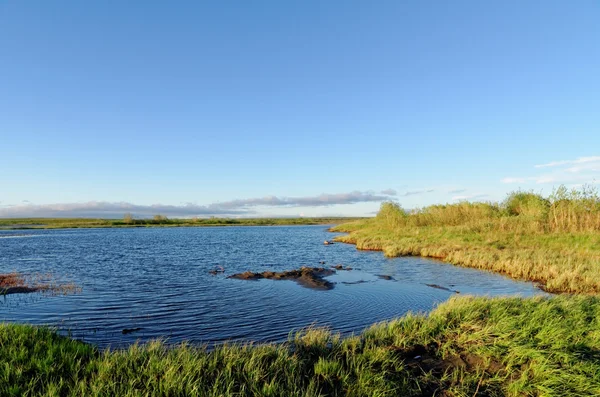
[309,277]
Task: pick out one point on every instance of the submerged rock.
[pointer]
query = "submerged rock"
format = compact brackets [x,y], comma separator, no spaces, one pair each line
[310,277]
[217,270]
[355,282]
[442,288]
[386,277]
[341,267]
[17,290]
[130,330]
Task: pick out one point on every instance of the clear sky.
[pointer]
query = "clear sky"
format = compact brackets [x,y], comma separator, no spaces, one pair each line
[292,107]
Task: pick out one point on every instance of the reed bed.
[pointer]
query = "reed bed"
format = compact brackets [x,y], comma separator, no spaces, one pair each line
[553,240]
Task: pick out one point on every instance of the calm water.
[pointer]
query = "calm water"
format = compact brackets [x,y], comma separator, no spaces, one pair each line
[157,279]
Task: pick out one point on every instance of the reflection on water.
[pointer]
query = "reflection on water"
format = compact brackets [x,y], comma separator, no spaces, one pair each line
[145,283]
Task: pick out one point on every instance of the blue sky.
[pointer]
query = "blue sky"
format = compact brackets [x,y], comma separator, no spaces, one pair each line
[288,108]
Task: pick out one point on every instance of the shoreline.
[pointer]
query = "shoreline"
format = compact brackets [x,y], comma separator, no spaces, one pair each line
[555,263]
[6,224]
[347,239]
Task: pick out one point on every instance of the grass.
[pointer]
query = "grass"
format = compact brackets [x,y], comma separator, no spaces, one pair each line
[554,241]
[467,346]
[159,221]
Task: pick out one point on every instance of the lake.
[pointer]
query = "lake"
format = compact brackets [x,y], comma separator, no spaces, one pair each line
[158,280]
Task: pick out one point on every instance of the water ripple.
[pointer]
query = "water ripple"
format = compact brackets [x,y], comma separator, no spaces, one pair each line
[158,280]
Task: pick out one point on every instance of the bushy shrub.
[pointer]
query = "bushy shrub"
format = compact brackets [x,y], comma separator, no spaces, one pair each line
[526,204]
[392,214]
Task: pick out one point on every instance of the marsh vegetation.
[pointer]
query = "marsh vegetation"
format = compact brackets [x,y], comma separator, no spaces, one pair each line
[553,240]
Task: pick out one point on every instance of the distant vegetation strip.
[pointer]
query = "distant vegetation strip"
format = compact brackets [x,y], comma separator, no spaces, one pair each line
[553,240]
[467,346]
[161,221]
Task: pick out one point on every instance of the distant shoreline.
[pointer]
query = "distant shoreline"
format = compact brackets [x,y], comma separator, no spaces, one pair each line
[85,223]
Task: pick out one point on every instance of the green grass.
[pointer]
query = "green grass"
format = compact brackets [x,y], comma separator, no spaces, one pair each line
[161,221]
[468,346]
[554,241]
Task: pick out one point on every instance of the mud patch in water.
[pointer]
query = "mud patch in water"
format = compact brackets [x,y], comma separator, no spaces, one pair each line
[309,277]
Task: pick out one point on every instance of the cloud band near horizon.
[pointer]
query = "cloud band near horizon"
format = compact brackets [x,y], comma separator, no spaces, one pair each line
[240,207]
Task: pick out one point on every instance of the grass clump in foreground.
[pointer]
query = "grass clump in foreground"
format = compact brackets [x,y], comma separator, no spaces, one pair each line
[552,240]
[467,346]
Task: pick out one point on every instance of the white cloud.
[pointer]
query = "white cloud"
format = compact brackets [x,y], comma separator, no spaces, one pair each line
[310,201]
[417,192]
[592,166]
[514,180]
[580,160]
[547,179]
[103,209]
[470,197]
[583,170]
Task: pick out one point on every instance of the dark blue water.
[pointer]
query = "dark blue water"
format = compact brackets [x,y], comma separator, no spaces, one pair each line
[157,279]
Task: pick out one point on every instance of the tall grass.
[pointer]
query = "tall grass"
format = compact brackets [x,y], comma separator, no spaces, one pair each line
[576,210]
[468,346]
[552,240]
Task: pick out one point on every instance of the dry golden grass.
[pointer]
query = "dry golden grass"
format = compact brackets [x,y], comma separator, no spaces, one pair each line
[554,241]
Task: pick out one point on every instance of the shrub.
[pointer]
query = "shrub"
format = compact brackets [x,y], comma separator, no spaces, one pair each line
[527,204]
[392,214]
